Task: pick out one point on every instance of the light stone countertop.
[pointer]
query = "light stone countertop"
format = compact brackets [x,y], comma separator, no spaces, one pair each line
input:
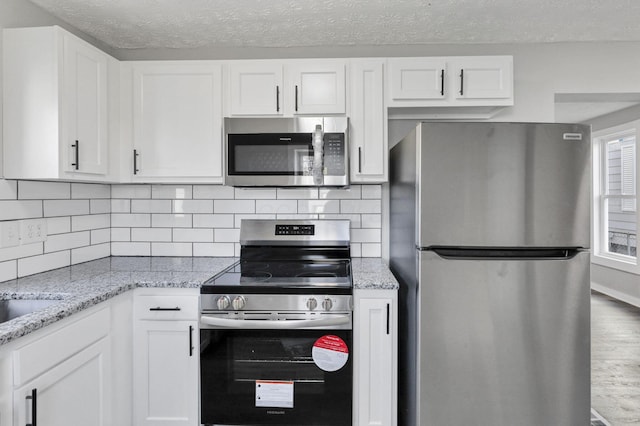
[84,285]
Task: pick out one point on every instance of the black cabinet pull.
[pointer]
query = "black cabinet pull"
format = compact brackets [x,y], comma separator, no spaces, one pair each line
[296,98]
[388,318]
[359,159]
[277,98]
[164,309]
[34,407]
[441,82]
[135,162]
[76,164]
[461,82]
[190,340]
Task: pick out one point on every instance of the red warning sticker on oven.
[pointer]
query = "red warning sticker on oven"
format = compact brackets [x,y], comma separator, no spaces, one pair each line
[330,353]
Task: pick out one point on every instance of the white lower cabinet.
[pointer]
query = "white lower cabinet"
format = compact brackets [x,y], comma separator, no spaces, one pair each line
[166,357]
[376,357]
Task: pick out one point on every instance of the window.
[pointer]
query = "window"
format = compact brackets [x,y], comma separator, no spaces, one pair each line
[615,201]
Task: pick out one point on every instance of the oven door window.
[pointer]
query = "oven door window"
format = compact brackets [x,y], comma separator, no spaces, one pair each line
[234,364]
[288,154]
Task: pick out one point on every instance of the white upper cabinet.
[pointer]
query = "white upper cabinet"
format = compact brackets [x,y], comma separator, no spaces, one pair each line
[450,87]
[368,118]
[55,105]
[295,87]
[176,121]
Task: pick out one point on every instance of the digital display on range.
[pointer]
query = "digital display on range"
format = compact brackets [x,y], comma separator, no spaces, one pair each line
[295,229]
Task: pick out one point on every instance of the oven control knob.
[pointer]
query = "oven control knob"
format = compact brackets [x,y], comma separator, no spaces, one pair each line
[327,304]
[238,303]
[223,302]
[312,304]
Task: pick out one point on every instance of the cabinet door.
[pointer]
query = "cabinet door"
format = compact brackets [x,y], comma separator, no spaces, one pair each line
[85,95]
[483,77]
[375,372]
[166,379]
[177,120]
[368,134]
[414,79]
[75,392]
[317,88]
[255,89]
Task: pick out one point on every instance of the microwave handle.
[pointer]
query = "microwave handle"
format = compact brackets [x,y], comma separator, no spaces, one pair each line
[318,154]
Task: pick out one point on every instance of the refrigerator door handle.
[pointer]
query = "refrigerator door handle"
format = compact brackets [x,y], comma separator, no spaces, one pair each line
[517,253]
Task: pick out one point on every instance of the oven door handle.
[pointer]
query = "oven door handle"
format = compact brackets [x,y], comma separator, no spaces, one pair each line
[274,324]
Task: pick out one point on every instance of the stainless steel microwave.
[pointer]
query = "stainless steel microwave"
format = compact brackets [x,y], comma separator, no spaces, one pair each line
[298,151]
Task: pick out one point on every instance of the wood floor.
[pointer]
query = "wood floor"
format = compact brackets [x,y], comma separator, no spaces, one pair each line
[615,360]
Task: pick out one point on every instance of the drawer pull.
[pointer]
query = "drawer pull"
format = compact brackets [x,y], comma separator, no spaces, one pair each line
[34,407]
[164,309]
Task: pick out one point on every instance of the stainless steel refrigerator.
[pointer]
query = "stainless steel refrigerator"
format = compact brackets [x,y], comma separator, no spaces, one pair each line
[489,238]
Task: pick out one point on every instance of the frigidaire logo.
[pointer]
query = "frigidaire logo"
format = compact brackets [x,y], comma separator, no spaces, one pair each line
[275,412]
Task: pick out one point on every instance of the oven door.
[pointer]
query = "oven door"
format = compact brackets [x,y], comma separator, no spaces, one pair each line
[276,377]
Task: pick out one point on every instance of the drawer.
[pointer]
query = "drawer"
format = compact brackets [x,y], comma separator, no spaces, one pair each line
[166,307]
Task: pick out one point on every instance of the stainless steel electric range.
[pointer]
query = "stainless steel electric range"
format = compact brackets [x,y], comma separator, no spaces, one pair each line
[276,328]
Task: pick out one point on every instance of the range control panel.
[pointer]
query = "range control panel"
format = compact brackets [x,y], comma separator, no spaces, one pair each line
[295,229]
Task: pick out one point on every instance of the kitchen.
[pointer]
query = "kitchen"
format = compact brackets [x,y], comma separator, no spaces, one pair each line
[95,220]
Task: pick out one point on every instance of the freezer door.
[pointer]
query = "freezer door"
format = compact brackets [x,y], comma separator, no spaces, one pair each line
[504,342]
[504,184]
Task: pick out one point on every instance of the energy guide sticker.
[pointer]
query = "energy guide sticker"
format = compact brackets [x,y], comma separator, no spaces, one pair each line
[330,353]
[278,394]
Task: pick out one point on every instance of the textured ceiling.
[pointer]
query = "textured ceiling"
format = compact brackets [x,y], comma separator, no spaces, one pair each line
[133,24]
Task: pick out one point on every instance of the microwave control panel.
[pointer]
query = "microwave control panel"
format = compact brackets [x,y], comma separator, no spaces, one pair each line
[334,158]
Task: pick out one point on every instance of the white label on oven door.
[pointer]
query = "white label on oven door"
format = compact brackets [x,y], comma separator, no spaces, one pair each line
[271,393]
[330,353]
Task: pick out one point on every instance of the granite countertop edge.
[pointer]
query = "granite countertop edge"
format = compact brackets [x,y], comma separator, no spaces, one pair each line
[79,287]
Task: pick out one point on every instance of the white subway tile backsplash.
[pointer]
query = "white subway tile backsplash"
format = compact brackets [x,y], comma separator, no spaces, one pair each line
[100,236]
[193,206]
[355,219]
[171,220]
[8,270]
[172,192]
[58,225]
[90,191]
[366,235]
[213,220]
[150,206]
[360,206]
[318,206]
[171,249]
[131,220]
[297,216]
[8,189]
[99,206]
[120,234]
[297,193]
[240,217]
[151,234]
[353,193]
[277,206]
[45,262]
[120,206]
[85,254]
[19,209]
[25,250]
[356,250]
[67,241]
[92,221]
[371,250]
[234,206]
[226,235]
[130,249]
[213,192]
[35,190]
[255,194]
[130,191]
[372,192]
[193,235]
[214,249]
[371,221]
[65,207]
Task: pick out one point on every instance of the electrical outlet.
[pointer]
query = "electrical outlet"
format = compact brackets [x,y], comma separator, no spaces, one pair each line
[9,234]
[33,231]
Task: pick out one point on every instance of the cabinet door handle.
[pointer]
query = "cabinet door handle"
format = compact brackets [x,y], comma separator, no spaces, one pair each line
[359,159]
[34,407]
[277,98]
[76,164]
[135,162]
[296,98]
[388,318]
[441,82]
[461,82]
[190,340]
[177,308]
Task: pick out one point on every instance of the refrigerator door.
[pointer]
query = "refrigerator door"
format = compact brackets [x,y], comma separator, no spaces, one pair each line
[503,342]
[503,184]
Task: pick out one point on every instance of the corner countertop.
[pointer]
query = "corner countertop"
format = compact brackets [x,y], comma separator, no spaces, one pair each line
[84,285]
